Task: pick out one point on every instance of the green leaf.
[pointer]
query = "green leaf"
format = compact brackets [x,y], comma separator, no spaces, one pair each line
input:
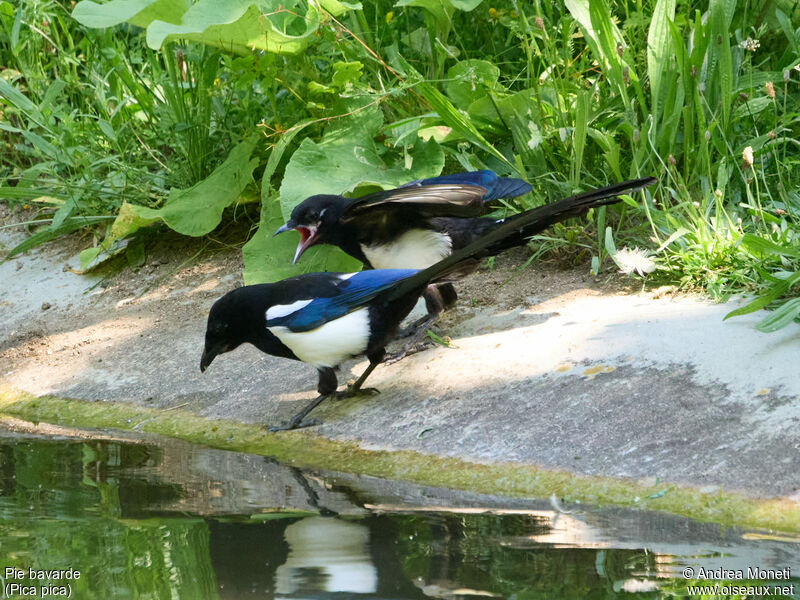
[266,257]
[720,59]
[347,157]
[759,246]
[241,26]
[659,53]
[775,291]
[752,106]
[346,72]
[107,129]
[469,80]
[136,12]
[780,317]
[440,10]
[49,233]
[15,97]
[194,211]
[450,114]
[343,160]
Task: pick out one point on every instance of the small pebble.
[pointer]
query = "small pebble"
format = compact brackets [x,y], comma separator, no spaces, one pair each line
[46,305]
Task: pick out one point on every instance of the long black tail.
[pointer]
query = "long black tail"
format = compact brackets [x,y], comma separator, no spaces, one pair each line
[516,229]
[574,206]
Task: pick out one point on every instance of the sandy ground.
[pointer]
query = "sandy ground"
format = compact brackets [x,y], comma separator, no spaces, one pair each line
[549,367]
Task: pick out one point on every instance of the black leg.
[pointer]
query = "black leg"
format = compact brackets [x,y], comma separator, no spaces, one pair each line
[326,387]
[296,421]
[353,390]
[417,343]
[437,297]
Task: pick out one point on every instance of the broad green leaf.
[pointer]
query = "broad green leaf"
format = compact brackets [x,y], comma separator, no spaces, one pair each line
[267,257]
[788,30]
[440,10]
[751,107]
[347,157]
[780,317]
[17,98]
[720,57]
[136,12]
[582,111]
[465,5]
[346,72]
[343,160]
[659,53]
[469,80]
[241,26]
[194,211]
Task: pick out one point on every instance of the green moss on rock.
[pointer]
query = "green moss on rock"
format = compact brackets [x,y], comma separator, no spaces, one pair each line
[305,449]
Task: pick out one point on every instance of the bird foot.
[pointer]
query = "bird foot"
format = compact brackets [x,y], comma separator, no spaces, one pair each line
[414,328]
[294,424]
[352,391]
[408,350]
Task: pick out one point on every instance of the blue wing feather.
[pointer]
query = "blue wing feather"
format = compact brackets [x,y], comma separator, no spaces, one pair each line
[354,292]
[496,187]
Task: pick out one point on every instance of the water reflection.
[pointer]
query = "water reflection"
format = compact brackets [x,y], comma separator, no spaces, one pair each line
[171,520]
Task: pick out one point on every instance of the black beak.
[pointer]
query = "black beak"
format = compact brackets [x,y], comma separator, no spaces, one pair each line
[285,227]
[206,359]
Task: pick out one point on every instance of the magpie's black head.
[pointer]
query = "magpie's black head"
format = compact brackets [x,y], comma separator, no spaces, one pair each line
[315,220]
[224,331]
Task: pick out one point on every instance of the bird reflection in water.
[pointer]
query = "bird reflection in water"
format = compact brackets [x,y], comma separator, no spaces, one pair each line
[326,555]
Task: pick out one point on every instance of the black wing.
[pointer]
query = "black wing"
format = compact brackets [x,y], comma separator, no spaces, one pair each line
[447,199]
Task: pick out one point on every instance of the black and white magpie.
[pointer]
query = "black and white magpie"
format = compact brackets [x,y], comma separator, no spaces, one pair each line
[410,227]
[325,318]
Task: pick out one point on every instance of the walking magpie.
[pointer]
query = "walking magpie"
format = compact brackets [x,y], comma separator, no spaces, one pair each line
[325,318]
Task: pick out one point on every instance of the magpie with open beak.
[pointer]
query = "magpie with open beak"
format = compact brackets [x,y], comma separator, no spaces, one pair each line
[410,227]
[326,318]
[413,227]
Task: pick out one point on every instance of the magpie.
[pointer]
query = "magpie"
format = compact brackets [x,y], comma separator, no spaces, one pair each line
[413,226]
[409,227]
[326,318]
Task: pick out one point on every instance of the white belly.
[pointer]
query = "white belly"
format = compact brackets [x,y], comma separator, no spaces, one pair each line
[331,343]
[415,249]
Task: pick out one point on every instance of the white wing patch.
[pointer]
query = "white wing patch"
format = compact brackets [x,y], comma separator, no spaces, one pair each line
[331,343]
[281,310]
[415,249]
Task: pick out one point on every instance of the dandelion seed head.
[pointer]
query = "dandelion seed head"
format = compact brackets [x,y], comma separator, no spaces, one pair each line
[634,260]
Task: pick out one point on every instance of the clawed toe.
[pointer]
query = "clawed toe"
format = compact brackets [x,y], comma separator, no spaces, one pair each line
[350,392]
[293,425]
[408,350]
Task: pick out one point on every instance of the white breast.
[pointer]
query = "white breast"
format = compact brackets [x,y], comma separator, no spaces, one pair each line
[415,249]
[331,343]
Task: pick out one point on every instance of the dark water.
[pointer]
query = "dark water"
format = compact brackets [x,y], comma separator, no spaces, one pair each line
[172,520]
